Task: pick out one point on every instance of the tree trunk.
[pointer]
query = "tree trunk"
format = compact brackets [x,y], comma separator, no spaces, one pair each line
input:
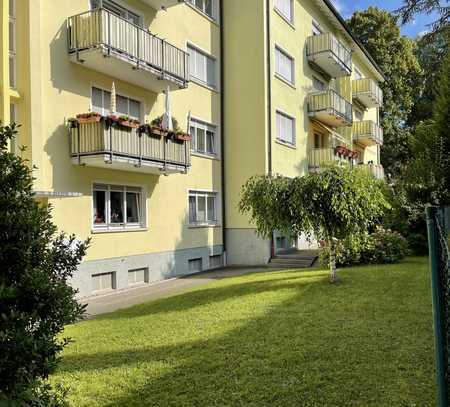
[333,274]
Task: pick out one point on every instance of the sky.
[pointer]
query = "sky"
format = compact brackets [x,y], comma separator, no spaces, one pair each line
[413,29]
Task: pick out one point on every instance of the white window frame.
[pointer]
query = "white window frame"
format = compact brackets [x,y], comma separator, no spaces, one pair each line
[279,75]
[108,226]
[294,128]
[105,111]
[217,210]
[206,54]
[316,28]
[203,125]
[288,18]
[202,10]
[12,53]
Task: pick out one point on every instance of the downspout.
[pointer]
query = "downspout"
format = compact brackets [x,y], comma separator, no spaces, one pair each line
[269,106]
[222,129]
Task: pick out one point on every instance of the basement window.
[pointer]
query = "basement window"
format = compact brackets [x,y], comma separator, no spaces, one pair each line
[103,282]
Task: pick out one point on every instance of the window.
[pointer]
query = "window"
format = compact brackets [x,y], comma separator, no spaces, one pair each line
[359,115]
[195,265]
[101,103]
[284,65]
[202,67]
[318,85]
[117,207]
[208,7]
[319,140]
[215,261]
[118,10]
[285,7]
[358,74]
[202,208]
[103,281]
[316,29]
[285,128]
[203,137]
[12,43]
[139,276]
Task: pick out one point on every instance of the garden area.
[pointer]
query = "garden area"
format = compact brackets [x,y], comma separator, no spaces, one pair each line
[282,338]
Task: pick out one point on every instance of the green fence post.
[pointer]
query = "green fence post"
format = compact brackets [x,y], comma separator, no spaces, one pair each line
[435,254]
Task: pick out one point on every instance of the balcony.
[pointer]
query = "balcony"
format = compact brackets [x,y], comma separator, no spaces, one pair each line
[367,133]
[367,92]
[376,170]
[318,157]
[329,55]
[107,43]
[107,145]
[330,108]
[162,4]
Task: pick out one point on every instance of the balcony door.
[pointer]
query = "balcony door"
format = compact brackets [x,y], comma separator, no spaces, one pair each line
[118,10]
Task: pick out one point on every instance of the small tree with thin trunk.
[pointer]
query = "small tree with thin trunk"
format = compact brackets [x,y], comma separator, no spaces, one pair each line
[327,206]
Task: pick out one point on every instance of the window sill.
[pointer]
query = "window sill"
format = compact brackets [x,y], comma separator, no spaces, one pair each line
[137,229]
[212,20]
[285,81]
[286,20]
[207,156]
[286,144]
[203,84]
[204,225]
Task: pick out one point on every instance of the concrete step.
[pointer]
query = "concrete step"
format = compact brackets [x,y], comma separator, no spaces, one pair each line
[283,262]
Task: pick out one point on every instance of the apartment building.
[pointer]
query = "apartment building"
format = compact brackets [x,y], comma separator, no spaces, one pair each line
[308,94]
[256,86]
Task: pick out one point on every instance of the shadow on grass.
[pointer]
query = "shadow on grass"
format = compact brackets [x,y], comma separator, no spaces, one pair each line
[324,345]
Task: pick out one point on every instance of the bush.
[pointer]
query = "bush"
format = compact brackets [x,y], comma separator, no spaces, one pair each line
[382,246]
[36,301]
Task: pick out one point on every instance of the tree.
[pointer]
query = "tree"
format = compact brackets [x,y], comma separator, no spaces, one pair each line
[378,31]
[328,206]
[412,7]
[36,301]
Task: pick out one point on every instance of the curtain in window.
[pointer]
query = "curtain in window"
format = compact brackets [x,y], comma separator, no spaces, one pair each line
[285,128]
[284,65]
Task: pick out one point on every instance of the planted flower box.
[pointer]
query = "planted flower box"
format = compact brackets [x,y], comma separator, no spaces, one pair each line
[90,117]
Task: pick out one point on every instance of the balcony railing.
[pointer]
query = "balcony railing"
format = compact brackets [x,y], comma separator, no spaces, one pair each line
[105,144]
[367,132]
[99,33]
[367,92]
[318,157]
[329,54]
[330,108]
[376,170]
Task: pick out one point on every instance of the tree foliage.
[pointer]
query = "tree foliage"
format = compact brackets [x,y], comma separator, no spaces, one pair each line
[330,205]
[395,54]
[36,301]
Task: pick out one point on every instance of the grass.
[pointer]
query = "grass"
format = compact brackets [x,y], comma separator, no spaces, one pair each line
[285,338]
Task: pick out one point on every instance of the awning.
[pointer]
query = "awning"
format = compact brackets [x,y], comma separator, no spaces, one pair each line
[331,131]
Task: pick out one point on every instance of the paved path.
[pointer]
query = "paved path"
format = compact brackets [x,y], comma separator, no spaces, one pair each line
[132,296]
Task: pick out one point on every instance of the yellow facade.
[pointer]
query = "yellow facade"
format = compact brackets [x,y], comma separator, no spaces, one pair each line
[53,82]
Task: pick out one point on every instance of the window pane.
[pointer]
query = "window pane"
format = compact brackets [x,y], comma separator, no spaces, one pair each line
[285,128]
[116,207]
[211,71]
[200,66]
[209,8]
[192,133]
[318,84]
[199,4]
[122,105]
[210,142]
[192,209]
[285,6]
[97,101]
[11,8]
[284,65]
[191,53]
[211,209]
[12,71]
[135,109]
[201,140]
[11,36]
[133,207]
[99,207]
[201,210]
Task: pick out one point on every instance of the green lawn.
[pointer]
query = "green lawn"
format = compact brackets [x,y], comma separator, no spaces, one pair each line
[284,338]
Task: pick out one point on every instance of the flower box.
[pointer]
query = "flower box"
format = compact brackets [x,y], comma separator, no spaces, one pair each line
[183,137]
[89,117]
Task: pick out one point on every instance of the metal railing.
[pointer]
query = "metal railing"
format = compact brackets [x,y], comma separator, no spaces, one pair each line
[318,157]
[369,87]
[376,170]
[328,43]
[367,128]
[101,28]
[105,137]
[332,102]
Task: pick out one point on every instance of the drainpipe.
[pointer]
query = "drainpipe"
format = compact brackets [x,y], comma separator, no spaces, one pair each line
[222,127]
[269,105]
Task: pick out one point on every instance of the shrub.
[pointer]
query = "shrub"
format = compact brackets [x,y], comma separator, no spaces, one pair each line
[36,301]
[381,246]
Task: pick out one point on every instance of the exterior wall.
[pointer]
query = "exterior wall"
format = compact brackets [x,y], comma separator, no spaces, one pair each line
[245,247]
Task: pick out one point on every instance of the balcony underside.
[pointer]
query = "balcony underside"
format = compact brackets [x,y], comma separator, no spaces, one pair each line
[327,62]
[368,99]
[127,163]
[119,65]
[366,140]
[162,4]
[329,117]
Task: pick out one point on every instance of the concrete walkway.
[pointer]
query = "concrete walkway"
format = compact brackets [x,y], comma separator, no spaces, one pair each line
[113,301]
